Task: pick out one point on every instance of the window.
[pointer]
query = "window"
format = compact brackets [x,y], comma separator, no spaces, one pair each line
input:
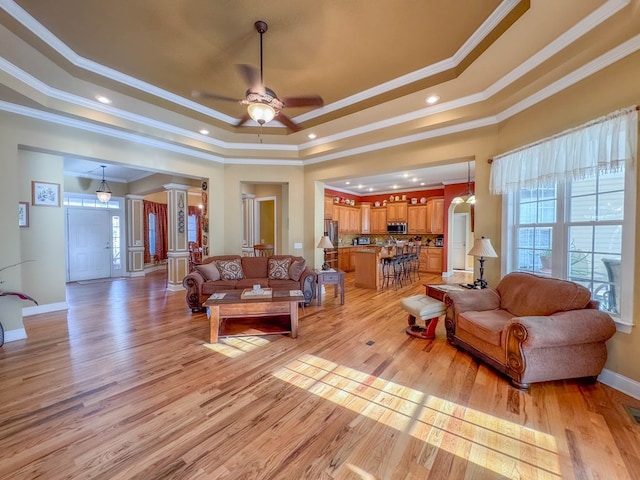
[152,234]
[573,231]
[569,210]
[192,228]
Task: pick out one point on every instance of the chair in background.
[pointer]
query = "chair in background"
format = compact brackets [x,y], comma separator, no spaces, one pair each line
[262,250]
[195,255]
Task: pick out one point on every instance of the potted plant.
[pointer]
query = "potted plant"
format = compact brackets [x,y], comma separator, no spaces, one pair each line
[20,295]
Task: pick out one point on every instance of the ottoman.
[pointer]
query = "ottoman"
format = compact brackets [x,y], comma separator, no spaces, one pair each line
[425,308]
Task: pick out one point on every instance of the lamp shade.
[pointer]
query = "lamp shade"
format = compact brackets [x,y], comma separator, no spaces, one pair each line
[261,112]
[325,242]
[482,248]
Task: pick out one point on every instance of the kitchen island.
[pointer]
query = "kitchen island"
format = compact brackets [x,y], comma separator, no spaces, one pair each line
[368,265]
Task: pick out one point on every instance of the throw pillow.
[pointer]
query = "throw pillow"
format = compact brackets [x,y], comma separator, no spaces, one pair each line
[209,271]
[296,269]
[230,269]
[279,269]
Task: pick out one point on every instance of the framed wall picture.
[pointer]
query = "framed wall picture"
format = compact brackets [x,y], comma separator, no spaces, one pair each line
[23,214]
[45,194]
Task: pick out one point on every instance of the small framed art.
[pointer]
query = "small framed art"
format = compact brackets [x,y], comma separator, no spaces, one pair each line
[23,214]
[45,194]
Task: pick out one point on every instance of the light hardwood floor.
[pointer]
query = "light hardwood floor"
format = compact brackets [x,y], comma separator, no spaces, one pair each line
[124,385]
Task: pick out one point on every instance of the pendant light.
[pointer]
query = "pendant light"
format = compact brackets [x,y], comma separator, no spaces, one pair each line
[103,192]
[469,197]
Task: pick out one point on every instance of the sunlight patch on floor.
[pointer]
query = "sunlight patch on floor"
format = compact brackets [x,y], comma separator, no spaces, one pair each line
[490,442]
[233,347]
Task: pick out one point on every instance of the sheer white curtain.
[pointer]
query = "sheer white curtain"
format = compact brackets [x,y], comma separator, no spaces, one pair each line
[600,145]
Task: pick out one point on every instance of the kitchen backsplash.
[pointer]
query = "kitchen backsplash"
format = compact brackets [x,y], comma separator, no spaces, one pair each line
[380,239]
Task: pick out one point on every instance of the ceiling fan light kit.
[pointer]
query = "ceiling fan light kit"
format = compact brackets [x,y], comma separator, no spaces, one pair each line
[263,105]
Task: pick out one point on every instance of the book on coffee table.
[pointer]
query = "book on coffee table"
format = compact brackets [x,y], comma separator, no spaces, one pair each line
[251,293]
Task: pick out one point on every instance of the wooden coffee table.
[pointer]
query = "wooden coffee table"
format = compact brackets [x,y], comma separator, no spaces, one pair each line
[265,313]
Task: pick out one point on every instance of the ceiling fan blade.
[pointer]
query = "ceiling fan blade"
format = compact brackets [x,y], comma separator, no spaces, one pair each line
[287,122]
[245,118]
[213,96]
[308,101]
[251,76]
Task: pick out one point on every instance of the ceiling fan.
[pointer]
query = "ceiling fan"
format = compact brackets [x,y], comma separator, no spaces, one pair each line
[263,105]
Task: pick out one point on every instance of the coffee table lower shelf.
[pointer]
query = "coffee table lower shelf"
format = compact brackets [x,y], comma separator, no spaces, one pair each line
[234,316]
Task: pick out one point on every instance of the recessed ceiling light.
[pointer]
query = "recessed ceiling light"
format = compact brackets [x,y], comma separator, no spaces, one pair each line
[370,189]
[405,175]
[311,136]
[348,182]
[422,184]
[394,187]
[414,179]
[360,186]
[431,99]
[103,99]
[204,131]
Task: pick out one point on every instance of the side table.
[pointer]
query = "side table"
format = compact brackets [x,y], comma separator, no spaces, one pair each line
[333,276]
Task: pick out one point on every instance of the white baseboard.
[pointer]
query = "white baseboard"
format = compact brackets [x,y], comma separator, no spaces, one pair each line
[175,288]
[49,307]
[13,335]
[621,383]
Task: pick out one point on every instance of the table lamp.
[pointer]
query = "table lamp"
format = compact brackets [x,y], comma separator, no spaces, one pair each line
[325,242]
[482,248]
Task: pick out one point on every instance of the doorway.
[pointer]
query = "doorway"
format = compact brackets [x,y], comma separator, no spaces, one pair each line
[460,241]
[265,221]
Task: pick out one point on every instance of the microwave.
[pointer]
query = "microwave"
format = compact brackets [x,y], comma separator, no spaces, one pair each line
[362,241]
[397,228]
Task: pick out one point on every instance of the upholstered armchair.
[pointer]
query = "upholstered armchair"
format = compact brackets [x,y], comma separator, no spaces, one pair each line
[531,328]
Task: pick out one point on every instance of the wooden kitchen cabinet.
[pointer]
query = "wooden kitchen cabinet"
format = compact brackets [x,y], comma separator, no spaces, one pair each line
[354,219]
[435,215]
[417,219]
[397,212]
[365,218]
[431,260]
[379,220]
[348,218]
[328,208]
[345,258]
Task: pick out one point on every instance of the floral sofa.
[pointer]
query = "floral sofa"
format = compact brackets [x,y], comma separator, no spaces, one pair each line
[531,328]
[230,272]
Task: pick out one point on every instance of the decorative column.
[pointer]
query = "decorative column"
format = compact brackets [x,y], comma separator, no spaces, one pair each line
[178,244]
[135,235]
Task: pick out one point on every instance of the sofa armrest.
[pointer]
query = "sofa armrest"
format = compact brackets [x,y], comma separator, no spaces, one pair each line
[193,284]
[308,284]
[573,327]
[456,302]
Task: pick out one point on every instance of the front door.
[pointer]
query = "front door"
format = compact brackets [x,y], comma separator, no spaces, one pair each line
[89,244]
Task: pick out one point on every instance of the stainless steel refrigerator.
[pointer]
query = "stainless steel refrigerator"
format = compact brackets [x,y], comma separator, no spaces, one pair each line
[331,231]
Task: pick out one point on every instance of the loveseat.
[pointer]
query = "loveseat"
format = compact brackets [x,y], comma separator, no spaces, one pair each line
[531,328]
[230,272]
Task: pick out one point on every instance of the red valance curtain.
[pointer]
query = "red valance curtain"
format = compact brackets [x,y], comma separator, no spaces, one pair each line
[160,212]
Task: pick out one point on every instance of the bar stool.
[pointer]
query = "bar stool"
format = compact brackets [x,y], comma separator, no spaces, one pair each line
[415,260]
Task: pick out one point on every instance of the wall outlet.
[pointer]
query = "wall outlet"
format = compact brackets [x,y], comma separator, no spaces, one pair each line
[297,245]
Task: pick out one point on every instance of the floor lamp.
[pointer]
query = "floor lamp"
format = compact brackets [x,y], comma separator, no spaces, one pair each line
[325,242]
[482,248]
